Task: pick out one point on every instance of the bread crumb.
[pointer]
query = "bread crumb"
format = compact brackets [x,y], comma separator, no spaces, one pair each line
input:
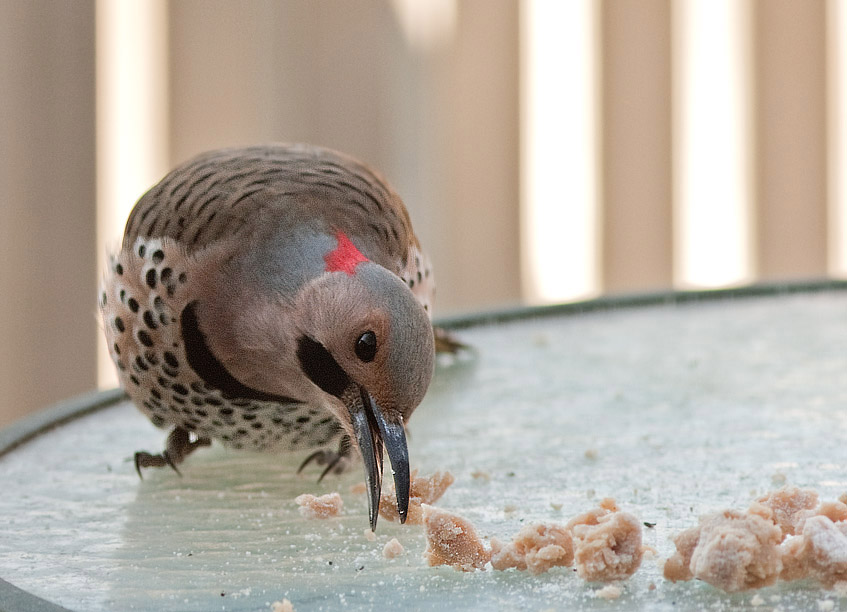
[510,508]
[819,552]
[834,511]
[826,605]
[452,540]
[757,600]
[282,606]
[556,506]
[480,475]
[360,488]
[536,548]
[789,506]
[607,543]
[609,592]
[370,536]
[591,454]
[731,550]
[421,491]
[321,507]
[392,549]
[678,567]
[794,564]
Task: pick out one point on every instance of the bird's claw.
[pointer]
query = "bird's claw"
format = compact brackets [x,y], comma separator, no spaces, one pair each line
[144,459]
[179,446]
[334,461]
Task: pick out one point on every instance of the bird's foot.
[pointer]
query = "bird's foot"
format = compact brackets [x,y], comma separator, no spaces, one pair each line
[177,448]
[143,459]
[336,461]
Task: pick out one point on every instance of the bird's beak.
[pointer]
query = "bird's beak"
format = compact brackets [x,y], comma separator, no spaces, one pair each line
[373,431]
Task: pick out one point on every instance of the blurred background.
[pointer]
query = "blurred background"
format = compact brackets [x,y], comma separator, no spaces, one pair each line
[548,150]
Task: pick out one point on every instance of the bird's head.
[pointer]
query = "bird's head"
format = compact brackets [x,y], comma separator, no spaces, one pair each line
[367,342]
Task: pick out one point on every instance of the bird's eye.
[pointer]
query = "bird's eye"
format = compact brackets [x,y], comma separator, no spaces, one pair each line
[366,346]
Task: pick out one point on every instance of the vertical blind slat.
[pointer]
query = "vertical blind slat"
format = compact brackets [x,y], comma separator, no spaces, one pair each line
[791,138]
[636,163]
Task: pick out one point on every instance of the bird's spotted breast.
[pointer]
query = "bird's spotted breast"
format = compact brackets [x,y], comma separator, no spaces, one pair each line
[142,302]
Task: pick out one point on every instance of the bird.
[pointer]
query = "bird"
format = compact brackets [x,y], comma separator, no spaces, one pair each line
[274,297]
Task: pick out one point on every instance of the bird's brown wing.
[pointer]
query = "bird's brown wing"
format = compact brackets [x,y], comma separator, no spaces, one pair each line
[223,193]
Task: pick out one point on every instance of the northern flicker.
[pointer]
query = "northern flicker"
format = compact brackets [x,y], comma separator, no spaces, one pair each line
[274,298]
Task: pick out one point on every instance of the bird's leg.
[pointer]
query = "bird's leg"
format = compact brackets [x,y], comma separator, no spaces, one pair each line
[178,446]
[335,461]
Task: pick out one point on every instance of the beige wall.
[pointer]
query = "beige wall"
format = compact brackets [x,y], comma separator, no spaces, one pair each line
[47,212]
[637,168]
[791,138]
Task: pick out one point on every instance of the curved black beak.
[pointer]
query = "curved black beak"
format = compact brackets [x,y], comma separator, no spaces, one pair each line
[373,432]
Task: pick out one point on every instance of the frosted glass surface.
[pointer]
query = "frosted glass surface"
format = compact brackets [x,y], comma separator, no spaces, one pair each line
[673,410]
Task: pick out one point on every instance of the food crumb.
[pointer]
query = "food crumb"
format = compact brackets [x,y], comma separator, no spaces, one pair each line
[731,550]
[591,454]
[826,605]
[322,507]
[480,475]
[789,507]
[392,549]
[609,592]
[556,506]
[651,586]
[452,540]
[282,606]
[360,488]
[820,551]
[510,508]
[757,600]
[370,536]
[536,548]
[422,490]
[607,543]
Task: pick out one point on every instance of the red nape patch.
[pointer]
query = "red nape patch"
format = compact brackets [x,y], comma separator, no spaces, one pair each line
[345,257]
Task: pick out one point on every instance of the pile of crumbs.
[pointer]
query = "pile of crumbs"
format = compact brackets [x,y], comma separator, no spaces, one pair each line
[785,535]
[604,544]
